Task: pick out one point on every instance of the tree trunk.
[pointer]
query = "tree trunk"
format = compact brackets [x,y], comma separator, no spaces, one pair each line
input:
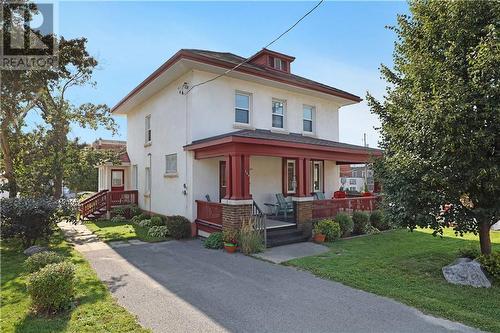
[7,160]
[484,237]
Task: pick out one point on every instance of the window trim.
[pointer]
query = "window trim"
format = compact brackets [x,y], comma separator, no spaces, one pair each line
[321,179]
[147,181]
[135,177]
[294,162]
[171,172]
[283,116]
[148,133]
[312,120]
[249,110]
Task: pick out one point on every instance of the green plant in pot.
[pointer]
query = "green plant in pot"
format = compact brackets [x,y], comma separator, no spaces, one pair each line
[326,230]
[230,240]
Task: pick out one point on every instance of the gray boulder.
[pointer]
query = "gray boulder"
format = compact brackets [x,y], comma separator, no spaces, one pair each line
[466,272]
[34,249]
[496,226]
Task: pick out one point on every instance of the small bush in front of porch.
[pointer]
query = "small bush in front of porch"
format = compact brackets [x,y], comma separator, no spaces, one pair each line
[346,224]
[379,221]
[40,260]
[214,241]
[178,226]
[361,220]
[250,240]
[157,221]
[329,228]
[138,218]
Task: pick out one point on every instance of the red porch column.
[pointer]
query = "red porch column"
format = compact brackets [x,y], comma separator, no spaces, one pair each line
[229,188]
[300,178]
[246,176]
[236,177]
[307,177]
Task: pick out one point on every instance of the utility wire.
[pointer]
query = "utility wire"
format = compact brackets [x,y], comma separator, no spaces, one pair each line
[265,47]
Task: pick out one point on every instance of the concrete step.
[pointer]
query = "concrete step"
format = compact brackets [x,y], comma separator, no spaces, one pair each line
[285,236]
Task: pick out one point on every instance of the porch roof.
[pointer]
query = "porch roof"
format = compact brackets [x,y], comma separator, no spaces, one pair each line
[268,143]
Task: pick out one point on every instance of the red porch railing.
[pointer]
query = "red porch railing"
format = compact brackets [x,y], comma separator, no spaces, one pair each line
[101,202]
[210,212]
[330,208]
[93,203]
[119,198]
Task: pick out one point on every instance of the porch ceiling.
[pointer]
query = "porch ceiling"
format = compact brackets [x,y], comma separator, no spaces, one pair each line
[292,145]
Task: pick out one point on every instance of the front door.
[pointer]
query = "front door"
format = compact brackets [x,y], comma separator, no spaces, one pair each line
[222,180]
[117,180]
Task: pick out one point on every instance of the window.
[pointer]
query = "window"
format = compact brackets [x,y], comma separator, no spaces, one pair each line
[116,178]
[291,186]
[135,178]
[171,163]
[147,180]
[242,108]
[147,127]
[308,114]
[278,114]
[317,176]
[277,63]
[352,181]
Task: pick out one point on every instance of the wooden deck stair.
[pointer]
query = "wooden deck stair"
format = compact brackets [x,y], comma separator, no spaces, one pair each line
[100,203]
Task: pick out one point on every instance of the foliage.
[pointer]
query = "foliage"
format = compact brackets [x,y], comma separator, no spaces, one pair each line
[378,220]
[346,224]
[371,230]
[250,239]
[440,118]
[118,219]
[470,251]
[108,231]
[146,223]
[329,228]
[360,220]
[31,219]
[178,226]
[407,266]
[52,287]
[158,231]
[491,263]
[40,260]
[157,221]
[214,241]
[129,211]
[230,236]
[138,218]
[134,210]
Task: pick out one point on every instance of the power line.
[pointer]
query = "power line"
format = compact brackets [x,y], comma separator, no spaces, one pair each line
[265,47]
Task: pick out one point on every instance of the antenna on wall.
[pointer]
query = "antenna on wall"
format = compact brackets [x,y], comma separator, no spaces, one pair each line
[183,89]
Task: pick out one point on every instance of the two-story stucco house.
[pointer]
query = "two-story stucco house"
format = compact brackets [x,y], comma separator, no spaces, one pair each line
[210,152]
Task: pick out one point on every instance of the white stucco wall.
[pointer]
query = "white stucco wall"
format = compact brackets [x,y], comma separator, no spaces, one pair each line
[332,178]
[265,179]
[213,108]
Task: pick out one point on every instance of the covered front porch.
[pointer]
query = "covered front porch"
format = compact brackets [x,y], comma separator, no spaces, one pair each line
[288,178]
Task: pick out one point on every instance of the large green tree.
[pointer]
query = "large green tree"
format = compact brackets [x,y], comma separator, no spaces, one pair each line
[441,118]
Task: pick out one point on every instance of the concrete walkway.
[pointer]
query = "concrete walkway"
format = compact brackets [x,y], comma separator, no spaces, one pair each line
[179,286]
[284,253]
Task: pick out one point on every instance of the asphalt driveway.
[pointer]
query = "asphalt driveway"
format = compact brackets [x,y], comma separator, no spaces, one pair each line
[179,286]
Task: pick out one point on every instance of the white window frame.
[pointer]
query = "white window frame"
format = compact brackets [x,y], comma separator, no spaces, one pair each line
[321,175]
[283,116]
[147,180]
[294,180]
[312,120]
[148,135]
[278,64]
[135,177]
[170,171]
[242,93]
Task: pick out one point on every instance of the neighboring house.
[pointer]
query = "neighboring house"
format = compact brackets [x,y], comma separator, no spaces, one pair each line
[112,176]
[238,140]
[353,178]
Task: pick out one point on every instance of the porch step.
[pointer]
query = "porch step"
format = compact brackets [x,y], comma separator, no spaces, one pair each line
[285,236]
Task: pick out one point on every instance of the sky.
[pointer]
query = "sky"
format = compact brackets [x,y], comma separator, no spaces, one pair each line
[341,44]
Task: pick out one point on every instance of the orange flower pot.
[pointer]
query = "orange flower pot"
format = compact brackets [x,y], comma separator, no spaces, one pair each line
[230,248]
[319,238]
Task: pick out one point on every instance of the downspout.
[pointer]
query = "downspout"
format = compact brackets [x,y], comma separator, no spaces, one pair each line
[150,180]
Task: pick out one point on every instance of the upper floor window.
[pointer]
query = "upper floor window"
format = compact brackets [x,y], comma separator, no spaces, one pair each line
[278,114]
[171,163]
[308,114]
[278,64]
[147,129]
[242,108]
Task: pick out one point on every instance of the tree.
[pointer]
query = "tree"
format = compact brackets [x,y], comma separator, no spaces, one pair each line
[441,118]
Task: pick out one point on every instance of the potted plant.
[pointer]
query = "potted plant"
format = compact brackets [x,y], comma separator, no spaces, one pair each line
[230,240]
[319,236]
[326,230]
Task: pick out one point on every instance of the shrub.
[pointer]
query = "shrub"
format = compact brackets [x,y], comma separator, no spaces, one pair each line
[214,241]
[40,260]
[250,240]
[345,222]
[178,226]
[158,231]
[51,288]
[31,219]
[469,252]
[329,228]
[491,263]
[145,223]
[119,211]
[134,210]
[371,230]
[230,236]
[138,218]
[118,219]
[379,221]
[360,220]
[157,221]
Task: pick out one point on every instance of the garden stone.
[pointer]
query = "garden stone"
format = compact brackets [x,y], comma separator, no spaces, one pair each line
[496,226]
[466,272]
[34,249]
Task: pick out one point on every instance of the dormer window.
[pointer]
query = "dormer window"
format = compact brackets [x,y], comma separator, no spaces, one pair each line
[278,63]
[271,59]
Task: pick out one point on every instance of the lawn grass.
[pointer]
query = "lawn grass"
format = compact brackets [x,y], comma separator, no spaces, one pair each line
[118,231]
[407,266]
[95,311]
